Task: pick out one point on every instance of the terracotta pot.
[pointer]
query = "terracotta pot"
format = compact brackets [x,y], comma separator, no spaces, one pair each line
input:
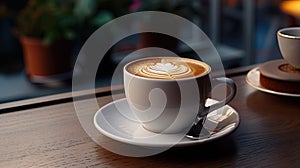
[46,60]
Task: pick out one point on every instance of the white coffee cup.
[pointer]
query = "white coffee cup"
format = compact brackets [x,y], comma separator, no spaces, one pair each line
[170,105]
[289,44]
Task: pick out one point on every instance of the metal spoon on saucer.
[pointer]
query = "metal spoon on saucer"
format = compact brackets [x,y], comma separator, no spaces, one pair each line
[205,127]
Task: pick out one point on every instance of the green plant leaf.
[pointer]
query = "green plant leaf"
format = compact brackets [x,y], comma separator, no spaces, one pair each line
[102,17]
[85,8]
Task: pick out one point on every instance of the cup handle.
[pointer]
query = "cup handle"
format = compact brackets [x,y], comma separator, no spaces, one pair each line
[220,104]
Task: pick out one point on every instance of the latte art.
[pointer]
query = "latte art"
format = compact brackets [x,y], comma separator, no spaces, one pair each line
[167,68]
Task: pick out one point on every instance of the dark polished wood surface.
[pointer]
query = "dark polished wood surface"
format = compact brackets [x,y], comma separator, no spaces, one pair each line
[45,132]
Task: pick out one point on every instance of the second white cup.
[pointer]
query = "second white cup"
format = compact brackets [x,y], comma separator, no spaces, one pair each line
[289,45]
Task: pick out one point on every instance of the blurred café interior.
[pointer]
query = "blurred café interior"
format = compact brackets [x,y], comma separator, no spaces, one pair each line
[243,31]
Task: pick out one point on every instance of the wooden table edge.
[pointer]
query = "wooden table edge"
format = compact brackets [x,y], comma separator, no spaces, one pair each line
[58,98]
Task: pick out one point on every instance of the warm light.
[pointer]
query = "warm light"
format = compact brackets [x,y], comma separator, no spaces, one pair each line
[291,7]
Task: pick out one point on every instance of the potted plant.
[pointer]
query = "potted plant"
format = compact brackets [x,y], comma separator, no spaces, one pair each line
[46,29]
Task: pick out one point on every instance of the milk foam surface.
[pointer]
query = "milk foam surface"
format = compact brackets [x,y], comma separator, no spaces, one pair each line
[167,68]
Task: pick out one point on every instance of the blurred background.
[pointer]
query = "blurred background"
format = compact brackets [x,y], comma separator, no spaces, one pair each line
[40,39]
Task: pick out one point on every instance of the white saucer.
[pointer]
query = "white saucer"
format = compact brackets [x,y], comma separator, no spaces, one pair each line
[252,79]
[116,121]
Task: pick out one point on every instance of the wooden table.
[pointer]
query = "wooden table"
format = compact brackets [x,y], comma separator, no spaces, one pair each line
[45,132]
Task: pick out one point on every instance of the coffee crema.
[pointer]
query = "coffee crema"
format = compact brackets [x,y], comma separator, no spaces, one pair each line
[168,68]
